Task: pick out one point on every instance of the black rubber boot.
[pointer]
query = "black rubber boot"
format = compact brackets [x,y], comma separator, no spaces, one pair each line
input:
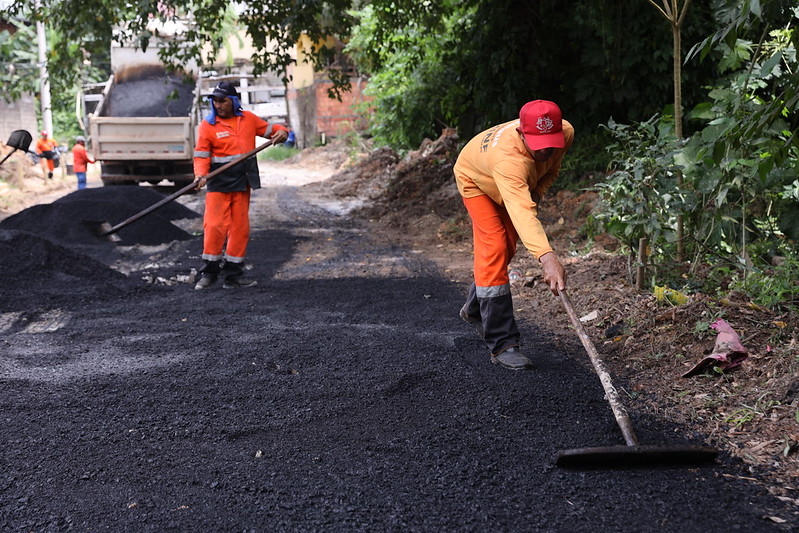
[234,276]
[501,331]
[210,272]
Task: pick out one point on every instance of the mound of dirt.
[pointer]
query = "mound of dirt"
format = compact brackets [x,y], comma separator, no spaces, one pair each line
[367,179]
[421,184]
[71,219]
[414,195]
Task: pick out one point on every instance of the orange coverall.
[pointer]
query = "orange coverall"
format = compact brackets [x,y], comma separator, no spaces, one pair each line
[46,144]
[227,203]
[497,178]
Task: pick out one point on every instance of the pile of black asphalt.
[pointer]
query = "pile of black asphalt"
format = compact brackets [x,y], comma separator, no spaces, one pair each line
[342,393]
[153,94]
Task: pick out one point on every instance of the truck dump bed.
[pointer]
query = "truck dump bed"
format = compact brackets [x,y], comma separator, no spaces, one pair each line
[143,127]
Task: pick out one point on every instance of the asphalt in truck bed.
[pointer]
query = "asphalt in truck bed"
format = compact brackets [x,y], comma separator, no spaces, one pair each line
[342,393]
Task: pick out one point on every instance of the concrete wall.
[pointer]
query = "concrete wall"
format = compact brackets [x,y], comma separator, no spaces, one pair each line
[19,115]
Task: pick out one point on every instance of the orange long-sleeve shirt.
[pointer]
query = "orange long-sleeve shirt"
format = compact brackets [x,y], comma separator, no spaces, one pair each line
[80,158]
[226,140]
[497,164]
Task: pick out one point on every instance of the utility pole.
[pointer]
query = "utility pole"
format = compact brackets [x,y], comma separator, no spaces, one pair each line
[44,93]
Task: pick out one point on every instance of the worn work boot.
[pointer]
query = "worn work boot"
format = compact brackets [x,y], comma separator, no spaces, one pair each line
[206,281]
[512,359]
[474,321]
[209,271]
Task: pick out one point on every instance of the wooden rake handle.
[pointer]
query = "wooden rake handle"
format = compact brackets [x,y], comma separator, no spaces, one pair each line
[612,395]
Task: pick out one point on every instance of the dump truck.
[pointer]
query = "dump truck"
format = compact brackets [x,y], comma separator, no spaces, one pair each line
[142,121]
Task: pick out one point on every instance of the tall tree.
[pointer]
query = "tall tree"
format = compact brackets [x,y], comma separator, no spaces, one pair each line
[675,14]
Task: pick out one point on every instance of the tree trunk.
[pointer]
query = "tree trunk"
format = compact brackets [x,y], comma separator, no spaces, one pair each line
[675,31]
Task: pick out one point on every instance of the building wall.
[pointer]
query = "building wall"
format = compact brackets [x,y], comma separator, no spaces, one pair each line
[19,115]
[307,108]
[334,118]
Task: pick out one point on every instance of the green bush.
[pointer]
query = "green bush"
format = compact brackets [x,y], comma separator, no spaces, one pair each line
[772,286]
[640,197]
[277,153]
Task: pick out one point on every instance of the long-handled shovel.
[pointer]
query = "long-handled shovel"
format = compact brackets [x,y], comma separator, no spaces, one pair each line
[633,454]
[104,229]
[18,140]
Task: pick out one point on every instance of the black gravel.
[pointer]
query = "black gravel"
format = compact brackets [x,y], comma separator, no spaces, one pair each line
[154,95]
[323,399]
[74,220]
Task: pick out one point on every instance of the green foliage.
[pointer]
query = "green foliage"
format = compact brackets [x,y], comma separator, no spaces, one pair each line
[75,33]
[773,287]
[68,67]
[278,153]
[748,152]
[640,197]
[473,64]
[18,58]
[463,63]
[740,190]
[412,98]
[585,162]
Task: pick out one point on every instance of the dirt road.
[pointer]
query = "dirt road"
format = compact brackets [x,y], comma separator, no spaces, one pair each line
[342,393]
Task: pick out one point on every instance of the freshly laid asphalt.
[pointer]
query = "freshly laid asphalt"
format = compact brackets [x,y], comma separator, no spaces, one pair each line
[342,393]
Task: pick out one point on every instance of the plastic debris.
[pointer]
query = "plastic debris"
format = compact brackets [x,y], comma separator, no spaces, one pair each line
[669,295]
[728,352]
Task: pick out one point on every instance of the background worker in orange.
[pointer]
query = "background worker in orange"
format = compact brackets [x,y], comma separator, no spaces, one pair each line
[227,133]
[46,150]
[80,159]
[502,173]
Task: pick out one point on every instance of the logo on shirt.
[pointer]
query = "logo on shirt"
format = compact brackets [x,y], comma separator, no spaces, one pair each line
[500,132]
[544,124]
[222,134]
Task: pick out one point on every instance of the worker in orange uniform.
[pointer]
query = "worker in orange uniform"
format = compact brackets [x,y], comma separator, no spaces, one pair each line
[227,133]
[80,159]
[502,173]
[46,150]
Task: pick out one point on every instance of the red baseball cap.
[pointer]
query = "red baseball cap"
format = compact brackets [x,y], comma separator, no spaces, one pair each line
[541,123]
